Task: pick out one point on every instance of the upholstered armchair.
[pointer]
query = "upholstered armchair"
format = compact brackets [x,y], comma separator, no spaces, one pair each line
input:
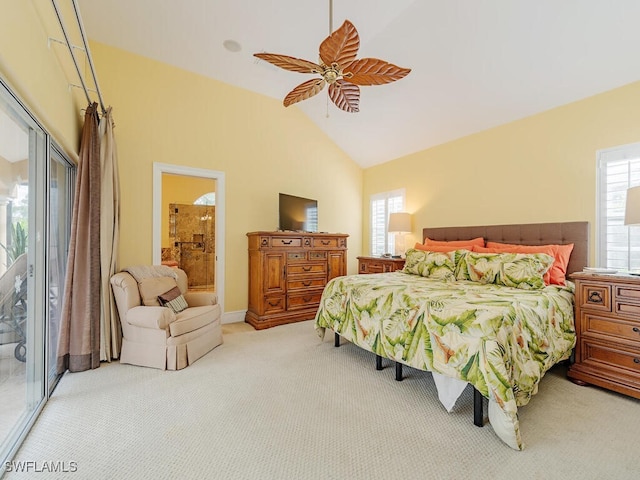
[164,325]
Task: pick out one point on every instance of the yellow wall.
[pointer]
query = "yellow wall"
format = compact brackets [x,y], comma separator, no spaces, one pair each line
[167,115]
[538,169]
[34,71]
[181,189]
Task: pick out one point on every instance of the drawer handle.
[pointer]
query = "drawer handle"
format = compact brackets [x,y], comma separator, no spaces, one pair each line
[636,360]
[274,304]
[595,297]
[306,284]
[325,242]
[287,242]
[308,299]
[306,269]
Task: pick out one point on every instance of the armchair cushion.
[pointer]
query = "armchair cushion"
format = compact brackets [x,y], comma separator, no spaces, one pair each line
[150,317]
[173,299]
[151,287]
[193,318]
[199,299]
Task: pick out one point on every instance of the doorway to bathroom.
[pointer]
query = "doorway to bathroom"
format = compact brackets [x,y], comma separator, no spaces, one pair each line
[188,234]
[188,223]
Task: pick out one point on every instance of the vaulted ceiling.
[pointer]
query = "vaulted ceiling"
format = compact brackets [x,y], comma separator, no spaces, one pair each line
[475,64]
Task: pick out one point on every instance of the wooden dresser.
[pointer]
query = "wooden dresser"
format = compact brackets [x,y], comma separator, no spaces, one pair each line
[288,272]
[379,264]
[607,352]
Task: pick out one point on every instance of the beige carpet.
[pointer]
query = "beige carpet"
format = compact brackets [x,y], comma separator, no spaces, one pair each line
[280,404]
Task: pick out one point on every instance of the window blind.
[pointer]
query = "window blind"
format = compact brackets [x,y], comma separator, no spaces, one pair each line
[382,204]
[618,244]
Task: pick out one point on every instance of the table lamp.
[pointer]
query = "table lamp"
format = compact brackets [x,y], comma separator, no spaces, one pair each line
[632,212]
[632,209]
[400,223]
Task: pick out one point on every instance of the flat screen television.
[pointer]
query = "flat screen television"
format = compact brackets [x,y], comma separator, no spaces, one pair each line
[298,214]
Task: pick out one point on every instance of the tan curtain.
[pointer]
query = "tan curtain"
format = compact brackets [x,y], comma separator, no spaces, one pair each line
[79,341]
[110,331]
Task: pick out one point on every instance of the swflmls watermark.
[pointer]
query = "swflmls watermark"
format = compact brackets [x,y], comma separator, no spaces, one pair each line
[41,467]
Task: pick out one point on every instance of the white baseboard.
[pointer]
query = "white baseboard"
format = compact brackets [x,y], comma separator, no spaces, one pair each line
[233,317]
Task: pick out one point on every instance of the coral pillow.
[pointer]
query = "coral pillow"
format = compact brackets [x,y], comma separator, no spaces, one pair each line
[437,248]
[561,253]
[456,243]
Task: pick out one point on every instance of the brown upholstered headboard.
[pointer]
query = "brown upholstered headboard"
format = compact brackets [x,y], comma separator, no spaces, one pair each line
[526,234]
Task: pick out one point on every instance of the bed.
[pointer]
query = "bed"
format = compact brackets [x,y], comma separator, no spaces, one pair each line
[442,315]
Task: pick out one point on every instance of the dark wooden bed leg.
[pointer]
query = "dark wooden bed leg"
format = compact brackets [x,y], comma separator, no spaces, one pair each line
[378,362]
[478,414]
[336,339]
[398,372]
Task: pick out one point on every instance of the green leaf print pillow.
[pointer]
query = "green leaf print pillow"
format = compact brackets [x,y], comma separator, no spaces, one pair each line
[519,270]
[437,265]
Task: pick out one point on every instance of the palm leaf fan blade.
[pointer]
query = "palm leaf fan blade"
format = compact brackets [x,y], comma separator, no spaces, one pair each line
[341,46]
[345,95]
[373,71]
[304,91]
[289,63]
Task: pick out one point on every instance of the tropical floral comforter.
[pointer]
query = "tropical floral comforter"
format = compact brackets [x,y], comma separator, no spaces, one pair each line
[500,339]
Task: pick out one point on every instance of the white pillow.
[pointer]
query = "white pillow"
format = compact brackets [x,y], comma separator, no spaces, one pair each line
[507,430]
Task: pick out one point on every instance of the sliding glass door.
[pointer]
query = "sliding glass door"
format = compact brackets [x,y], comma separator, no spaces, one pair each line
[18,141]
[35,192]
[61,182]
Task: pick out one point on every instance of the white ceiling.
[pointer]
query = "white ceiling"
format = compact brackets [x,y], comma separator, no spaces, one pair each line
[475,63]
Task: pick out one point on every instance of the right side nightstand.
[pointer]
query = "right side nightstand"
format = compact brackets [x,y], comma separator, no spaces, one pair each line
[607,319]
[379,264]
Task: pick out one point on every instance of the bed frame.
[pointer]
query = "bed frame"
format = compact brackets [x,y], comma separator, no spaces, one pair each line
[521,234]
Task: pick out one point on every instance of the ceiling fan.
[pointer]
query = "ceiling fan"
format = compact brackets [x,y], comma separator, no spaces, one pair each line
[339,69]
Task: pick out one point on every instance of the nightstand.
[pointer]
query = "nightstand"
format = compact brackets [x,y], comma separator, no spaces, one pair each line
[379,264]
[607,352]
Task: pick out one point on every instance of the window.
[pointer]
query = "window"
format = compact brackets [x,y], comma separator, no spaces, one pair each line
[618,245]
[206,199]
[382,204]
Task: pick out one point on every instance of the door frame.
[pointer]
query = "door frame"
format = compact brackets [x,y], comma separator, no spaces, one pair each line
[219,177]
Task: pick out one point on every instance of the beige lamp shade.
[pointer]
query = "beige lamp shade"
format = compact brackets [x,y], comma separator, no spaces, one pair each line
[632,210]
[400,222]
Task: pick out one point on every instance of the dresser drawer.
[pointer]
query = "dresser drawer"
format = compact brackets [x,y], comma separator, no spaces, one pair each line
[317,255]
[286,242]
[297,256]
[305,268]
[304,300]
[325,242]
[628,292]
[627,309]
[610,356]
[305,283]
[595,296]
[610,327]
[371,267]
[274,304]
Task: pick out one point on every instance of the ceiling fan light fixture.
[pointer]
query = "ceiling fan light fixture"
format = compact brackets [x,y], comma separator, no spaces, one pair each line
[339,69]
